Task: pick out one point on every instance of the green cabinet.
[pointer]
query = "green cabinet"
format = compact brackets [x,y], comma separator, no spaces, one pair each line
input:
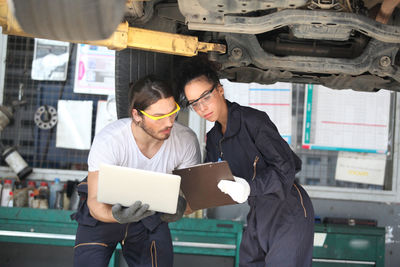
[334,245]
[54,227]
[348,246]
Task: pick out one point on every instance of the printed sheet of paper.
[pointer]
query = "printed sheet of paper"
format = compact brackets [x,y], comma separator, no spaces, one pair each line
[363,168]
[346,120]
[319,239]
[74,125]
[50,60]
[236,92]
[106,113]
[274,99]
[95,70]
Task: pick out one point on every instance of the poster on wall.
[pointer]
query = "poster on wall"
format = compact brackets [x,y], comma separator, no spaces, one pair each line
[74,127]
[50,60]
[365,168]
[346,120]
[106,113]
[94,70]
[274,99]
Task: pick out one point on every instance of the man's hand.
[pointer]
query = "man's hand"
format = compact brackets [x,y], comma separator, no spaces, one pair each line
[238,190]
[166,217]
[133,213]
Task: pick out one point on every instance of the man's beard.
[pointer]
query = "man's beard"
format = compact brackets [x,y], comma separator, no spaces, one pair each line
[152,133]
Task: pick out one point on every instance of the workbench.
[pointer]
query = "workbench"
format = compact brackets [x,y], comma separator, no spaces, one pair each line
[334,245]
[54,227]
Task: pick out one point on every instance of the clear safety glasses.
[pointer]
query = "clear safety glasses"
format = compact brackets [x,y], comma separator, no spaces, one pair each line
[203,99]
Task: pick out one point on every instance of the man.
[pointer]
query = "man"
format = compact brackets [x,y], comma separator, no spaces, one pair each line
[149,140]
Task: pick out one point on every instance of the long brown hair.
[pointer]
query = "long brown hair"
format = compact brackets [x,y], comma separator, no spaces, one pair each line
[146,92]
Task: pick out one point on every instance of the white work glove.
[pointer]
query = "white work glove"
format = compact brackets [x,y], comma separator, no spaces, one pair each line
[238,190]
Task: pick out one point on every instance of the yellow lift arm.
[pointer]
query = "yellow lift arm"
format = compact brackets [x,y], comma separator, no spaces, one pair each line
[128,37]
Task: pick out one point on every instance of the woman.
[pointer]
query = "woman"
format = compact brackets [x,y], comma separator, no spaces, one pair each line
[280,223]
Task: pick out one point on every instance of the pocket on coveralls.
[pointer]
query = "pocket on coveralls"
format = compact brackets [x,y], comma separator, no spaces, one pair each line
[82,215]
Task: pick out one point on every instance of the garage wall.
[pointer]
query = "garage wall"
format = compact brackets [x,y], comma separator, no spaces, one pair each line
[37,146]
[387,214]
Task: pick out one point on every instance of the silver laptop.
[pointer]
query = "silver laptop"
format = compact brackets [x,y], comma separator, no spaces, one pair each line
[126,185]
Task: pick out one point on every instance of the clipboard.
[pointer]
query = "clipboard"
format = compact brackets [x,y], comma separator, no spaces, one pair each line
[199,184]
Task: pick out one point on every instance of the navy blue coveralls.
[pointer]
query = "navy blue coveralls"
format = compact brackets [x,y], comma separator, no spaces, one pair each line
[280,223]
[146,243]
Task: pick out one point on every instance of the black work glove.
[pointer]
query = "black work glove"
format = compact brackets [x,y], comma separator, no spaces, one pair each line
[166,217]
[133,213]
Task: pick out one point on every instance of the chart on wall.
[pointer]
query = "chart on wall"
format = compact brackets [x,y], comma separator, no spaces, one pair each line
[50,60]
[274,99]
[95,70]
[346,120]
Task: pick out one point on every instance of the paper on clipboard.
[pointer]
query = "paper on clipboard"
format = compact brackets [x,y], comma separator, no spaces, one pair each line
[199,185]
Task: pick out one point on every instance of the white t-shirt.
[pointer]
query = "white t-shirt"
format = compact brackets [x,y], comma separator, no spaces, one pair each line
[116,145]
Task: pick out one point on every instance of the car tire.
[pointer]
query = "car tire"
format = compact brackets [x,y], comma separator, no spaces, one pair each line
[130,66]
[69,20]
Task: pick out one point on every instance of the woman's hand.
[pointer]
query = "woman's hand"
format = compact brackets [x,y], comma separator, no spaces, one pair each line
[238,190]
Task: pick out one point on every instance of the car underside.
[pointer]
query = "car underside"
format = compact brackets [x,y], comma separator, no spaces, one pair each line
[342,44]
[338,44]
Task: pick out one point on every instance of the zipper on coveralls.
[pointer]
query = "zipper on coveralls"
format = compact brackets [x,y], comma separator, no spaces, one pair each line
[255,167]
[126,234]
[301,200]
[153,256]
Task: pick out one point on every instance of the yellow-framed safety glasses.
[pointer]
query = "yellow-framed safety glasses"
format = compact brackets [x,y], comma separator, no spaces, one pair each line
[156,118]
